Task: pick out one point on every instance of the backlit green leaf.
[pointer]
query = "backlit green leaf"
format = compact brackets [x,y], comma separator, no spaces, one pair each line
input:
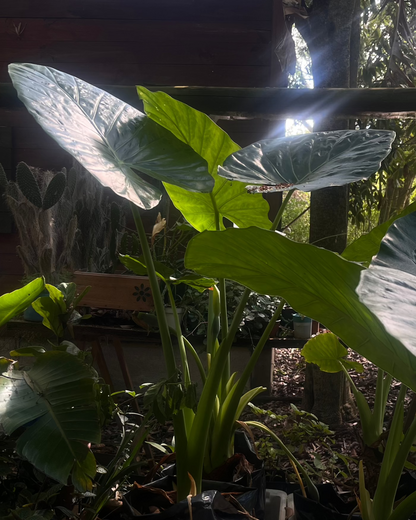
[17,301]
[227,200]
[326,351]
[316,282]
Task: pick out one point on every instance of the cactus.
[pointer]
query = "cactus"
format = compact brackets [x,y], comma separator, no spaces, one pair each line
[115,217]
[3,178]
[66,256]
[64,221]
[28,184]
[54,191]
[42,209]
[135,245]
[129,244]
[71,180]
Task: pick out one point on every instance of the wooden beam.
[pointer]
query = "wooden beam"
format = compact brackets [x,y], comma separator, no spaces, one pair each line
[273,103]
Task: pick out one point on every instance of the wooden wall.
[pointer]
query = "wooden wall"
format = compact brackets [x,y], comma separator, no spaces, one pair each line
[128,42]
[152,42]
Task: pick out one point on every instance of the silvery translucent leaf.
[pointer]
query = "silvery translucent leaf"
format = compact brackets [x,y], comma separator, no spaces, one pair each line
[108,137]
[388,287]
[309,162]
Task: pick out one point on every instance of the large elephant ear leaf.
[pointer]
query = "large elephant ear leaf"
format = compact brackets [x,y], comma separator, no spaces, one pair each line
[111,139]
[228,200]
[309,162]
[316,282]
[56,402]
[17,301]
[388,287]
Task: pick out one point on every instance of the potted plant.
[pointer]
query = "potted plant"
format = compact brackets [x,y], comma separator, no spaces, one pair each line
[258,258]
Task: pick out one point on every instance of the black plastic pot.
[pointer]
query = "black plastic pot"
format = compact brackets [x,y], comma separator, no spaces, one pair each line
[330,507]
[210,504]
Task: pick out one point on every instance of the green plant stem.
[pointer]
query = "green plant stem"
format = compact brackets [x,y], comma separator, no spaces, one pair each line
[224,332]
[157,297]
[223,303]
[182,350]
[221,438]
[405,509]
[395,456]
[380,399]
[197,440]
[282,208]
[197,360]
[371,432]
[179,420]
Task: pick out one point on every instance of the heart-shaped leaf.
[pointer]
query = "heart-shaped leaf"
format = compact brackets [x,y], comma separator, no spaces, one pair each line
[228,200]
[316,282]
[326,351]
[311,161]
[111,139]
[388,287]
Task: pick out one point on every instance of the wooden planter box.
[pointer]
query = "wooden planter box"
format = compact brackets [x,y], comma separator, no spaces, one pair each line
[115,291]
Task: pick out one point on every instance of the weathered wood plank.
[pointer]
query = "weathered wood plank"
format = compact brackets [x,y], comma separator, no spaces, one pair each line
[162,32]
[109,53]
[17,116]
[272,103]
[115,291]
[9,283]
[26,138]
[158,74]
[140,9]
[10,264]
[44,158]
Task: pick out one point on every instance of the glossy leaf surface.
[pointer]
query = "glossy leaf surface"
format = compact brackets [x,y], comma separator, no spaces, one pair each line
[111,139]
[388,287]
[364,248]
[227,200]
[315,282]
[12,304]
[311,161]
[55,400]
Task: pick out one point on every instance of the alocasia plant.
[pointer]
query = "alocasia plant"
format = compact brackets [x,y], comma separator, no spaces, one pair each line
[114,141]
